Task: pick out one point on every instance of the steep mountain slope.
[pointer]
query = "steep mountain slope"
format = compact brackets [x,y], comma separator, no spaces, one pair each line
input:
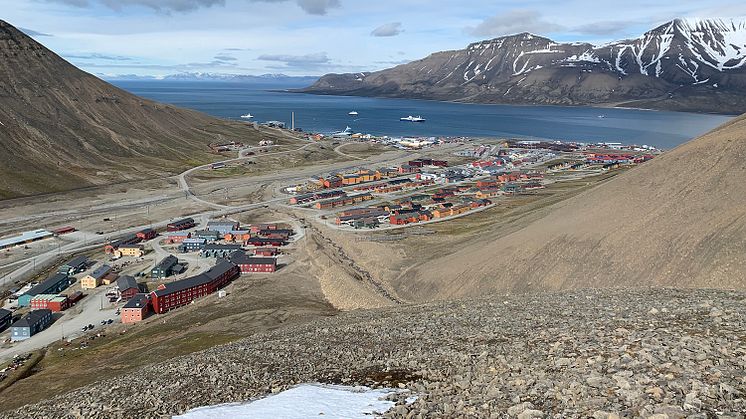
[61,128]
[685,64]
[679,220]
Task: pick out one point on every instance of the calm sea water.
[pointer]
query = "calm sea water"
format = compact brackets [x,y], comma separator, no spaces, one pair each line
[377,116]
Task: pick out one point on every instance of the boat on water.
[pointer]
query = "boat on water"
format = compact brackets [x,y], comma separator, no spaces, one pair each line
[352,113]
[343,134]
[602,116]
[247,116]
[411,118]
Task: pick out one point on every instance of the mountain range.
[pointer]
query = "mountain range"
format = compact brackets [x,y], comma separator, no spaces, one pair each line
[684,64]
[62,128]
[220,77]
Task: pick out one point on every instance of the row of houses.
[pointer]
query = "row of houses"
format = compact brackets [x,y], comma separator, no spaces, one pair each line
[129,242]
[315,196]
[343,200]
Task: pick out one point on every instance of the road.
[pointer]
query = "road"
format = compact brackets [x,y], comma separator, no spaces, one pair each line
[87,311]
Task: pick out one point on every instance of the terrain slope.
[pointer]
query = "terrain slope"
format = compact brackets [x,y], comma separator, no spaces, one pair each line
[678,220]
[632,353]
[62,128]
[684,64]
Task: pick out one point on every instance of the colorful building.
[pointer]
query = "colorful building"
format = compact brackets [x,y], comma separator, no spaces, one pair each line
[179,293]
[136,309]
[95,278]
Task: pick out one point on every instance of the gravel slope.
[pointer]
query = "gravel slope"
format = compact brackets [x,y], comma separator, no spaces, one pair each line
[600,353]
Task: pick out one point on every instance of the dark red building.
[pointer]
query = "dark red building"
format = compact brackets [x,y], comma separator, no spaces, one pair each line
[146,234]
[263,241]
[179,293]
[266,251]
[249,264]
[182,224]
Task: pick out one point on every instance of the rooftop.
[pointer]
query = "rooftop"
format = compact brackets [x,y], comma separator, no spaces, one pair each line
[221,268]
[32,317]
[24,237]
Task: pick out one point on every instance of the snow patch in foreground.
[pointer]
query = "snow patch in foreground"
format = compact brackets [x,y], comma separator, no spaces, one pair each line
[305,401]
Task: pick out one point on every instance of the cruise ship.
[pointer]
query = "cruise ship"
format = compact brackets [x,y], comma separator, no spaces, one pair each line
[411,118]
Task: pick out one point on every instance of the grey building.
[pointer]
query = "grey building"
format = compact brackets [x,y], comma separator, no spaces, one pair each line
[32,323]
[165,267]
[52,285]
[223,226]
[6,318]
[219,250]
[209,235]
[73,266]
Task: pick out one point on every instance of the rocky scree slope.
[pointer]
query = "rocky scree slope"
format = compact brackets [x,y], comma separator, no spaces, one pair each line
[684,64]
[592,353]
[62,128]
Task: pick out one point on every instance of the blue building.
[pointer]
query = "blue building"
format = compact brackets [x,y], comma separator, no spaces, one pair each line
[192,245]
[164,268]
[52,285]
[219,250]
[32,323]
[74,266]
[223,226]
[209,235]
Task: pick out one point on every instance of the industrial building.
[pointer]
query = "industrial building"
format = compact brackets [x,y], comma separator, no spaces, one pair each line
[147,234]
[25,238]
[32,323]
[178,293]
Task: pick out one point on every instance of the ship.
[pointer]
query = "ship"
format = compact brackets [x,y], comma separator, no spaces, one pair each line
[352,113]
[411,118]
[247,116]
[343,134]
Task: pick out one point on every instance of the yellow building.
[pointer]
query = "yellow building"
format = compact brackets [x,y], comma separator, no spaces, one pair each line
[95,278]
[131,250]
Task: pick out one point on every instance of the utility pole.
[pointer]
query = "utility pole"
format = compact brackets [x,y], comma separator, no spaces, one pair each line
[292,121]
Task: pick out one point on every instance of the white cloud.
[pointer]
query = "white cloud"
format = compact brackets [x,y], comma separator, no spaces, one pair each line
[314,7]
[513,22]
[388,29]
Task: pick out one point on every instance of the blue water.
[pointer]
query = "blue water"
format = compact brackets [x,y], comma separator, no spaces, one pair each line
[379,116]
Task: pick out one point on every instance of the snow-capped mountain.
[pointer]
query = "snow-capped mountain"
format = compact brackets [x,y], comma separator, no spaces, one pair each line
[684,64]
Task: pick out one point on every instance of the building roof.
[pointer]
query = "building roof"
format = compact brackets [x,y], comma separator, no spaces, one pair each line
[126,282]
[138,301]
[241,258]
[47,284]
[220,268]
[167,263]
[183,221]
[217,247]
[5,313]
[101,271]
[196,240]
[77,262]
[24,237]
[225,223]
[32,317]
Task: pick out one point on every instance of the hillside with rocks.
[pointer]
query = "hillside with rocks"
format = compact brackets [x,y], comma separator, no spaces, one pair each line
[601,354]
[685,65]
[62,128]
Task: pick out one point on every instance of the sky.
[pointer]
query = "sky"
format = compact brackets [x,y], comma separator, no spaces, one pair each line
[315,37]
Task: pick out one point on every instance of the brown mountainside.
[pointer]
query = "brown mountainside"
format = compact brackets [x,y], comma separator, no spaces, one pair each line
[679,220]
[62,128]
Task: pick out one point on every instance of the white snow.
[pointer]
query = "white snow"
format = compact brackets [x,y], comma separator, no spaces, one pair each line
[305,401]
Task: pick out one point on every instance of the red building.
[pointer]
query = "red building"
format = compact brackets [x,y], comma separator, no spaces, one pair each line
[183,224]
[53,302]
[249,264]
[136,309]
[127,287]
[263,242]
[146,234]
[179,293]
[266,251]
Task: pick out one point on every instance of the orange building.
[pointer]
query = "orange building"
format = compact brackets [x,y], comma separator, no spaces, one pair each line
[136,309]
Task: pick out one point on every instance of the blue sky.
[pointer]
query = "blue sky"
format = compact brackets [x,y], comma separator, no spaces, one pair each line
[313,37]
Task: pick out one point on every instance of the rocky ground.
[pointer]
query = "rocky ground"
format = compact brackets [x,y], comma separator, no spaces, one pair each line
[602,354]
